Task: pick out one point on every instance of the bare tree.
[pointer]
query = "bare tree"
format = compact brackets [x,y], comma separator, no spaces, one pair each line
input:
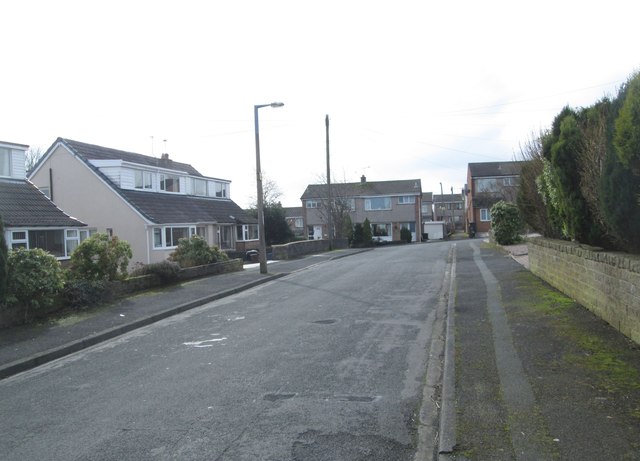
[339,207]
[271,193]
[32,155]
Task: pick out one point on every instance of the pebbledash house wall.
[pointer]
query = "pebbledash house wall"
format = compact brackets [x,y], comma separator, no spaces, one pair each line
[606,283]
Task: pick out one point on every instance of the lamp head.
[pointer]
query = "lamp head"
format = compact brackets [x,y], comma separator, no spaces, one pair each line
[276,104]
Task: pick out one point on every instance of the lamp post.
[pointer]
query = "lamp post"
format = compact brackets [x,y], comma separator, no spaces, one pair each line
[262,255]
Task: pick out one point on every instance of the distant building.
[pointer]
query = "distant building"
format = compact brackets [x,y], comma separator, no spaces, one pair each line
[449,208]
[389,206]
[295,220]
[427,207]
[488,183]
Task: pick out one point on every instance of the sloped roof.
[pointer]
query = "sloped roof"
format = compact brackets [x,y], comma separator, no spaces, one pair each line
[492,169]
[293,212]
[163,208]
[364,189]
[23,205]
[93,152]
[427,196]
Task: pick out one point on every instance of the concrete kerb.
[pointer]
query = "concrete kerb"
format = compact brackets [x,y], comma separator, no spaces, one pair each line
[35,360]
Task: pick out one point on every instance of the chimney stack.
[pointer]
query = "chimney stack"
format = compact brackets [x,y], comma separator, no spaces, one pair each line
[363,179]
[164,157]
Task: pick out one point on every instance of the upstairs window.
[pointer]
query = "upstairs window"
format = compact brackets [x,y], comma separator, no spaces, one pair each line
[198,187]
[143,180]
[5,161]
[377,203]
[406,199]
[222,190]
[170,183]
[312,204]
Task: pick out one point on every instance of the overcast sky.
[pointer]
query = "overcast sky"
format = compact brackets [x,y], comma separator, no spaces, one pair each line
[413,89]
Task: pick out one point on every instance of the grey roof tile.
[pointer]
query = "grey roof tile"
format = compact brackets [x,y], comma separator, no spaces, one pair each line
[23,205]
[364,189]
[491,169]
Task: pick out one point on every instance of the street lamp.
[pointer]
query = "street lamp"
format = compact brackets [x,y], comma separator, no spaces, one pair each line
[262,255]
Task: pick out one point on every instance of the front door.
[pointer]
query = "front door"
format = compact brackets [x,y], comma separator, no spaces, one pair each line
[317,232]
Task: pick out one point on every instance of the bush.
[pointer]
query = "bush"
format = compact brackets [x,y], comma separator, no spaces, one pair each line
[101,257]
[505,222]
[405,235]
[82,293]
[195,251]
[167,271]
[35,277]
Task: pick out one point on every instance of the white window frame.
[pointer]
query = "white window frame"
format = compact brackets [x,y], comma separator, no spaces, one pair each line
[243,230]
[142,180]
[163,182]
[406,200]
[385,206]
[221,190]
[6,162]
[485,215]
[312,203]
[159,236]
[18,242]
[203,187]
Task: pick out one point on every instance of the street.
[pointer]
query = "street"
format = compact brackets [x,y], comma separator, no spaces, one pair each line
[327,363]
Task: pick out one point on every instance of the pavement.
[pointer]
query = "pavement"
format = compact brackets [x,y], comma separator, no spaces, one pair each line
[535,376]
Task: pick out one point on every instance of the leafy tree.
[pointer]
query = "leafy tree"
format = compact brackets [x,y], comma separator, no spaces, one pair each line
[505,223]
[358,235]
[276,228]
[195,251]
[101,257]
[4,256]
[35,277]
[627,127]
[621,207]
[367,235]
[405,235]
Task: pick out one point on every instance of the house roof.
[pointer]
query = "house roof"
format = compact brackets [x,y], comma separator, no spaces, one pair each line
[163,208]
[23,205]
[364,189]
[493,169]
[293,212]
[93,152]
[427,196]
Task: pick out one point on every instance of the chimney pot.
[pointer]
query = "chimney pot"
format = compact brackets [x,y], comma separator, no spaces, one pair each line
[164,156]
[363,179]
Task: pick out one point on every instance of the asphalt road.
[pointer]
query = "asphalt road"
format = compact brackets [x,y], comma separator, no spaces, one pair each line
[325,364]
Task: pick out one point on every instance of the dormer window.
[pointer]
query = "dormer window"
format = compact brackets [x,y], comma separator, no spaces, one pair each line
[5,161]
[170,183]
[221,190]
[143,180]
[199,187]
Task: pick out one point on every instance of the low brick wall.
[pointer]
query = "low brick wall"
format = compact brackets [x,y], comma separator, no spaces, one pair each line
[305,247]
[606,283]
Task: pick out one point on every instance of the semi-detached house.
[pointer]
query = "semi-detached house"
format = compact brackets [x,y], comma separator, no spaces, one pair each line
[389,206]
[149,202]
[30,219]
